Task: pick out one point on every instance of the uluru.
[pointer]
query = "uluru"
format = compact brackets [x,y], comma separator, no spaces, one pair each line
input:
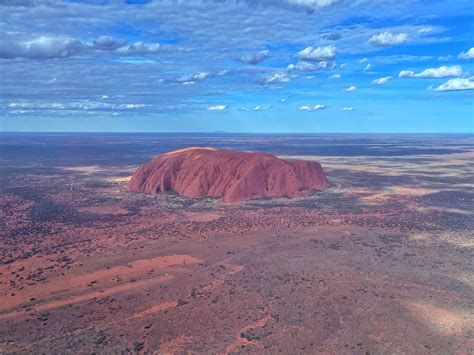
[231,175]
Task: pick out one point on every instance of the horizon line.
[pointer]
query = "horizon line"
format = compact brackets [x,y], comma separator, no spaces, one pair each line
[230,132]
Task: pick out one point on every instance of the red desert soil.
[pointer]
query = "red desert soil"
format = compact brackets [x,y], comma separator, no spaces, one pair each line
[234,176]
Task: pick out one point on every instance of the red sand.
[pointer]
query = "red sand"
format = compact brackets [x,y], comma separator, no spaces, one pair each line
[234,176]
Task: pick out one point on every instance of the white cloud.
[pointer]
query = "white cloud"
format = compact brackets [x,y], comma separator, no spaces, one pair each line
[445,58]
[108,43]
[333,36]
[318,54]
[311,4]
[278,78]
[255,58]
[139,48]
[308,5]
[397,58]
[200,76]
[386,39]
[86,106]
[191,79]
[57,106]
[43,47]
[312,107]
[469,54]
[343,65]
[363,60]
[131,106]
[335,76]
[306,66]
[351,88]
[456,85]
[347,109]
[223,72]
[261,107]
[217,108]
[425,29]
[381,81]
[441,72]
[368,67]
[407,74]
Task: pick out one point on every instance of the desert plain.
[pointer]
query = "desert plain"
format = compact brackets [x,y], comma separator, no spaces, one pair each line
[380,262]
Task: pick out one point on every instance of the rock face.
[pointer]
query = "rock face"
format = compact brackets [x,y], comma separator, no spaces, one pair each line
[234,176]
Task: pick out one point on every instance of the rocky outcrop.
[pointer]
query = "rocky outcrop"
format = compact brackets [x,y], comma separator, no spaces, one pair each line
[234,176]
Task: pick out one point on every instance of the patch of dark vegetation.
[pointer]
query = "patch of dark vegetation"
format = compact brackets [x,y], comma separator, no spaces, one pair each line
[455,221]
[254,334]
[27,193]
[329,200]
[46,211]
[33,170]
[106,200]
[96,184]
[138,346]
[392,239]
[463,200]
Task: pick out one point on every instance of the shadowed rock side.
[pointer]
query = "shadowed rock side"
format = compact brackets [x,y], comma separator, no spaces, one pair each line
[234,176]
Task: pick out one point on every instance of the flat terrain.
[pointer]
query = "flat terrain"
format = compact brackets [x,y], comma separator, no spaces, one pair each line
[381,262]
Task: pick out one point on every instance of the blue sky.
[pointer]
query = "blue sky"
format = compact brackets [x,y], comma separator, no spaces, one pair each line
[242,66]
